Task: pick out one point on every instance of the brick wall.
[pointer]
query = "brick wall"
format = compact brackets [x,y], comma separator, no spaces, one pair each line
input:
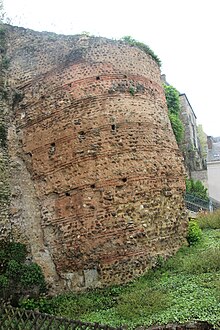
[96,175]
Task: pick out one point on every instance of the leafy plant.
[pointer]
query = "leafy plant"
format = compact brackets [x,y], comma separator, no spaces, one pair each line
[172,98]
[17,277]
[173,104]
[129,40]
[42,304]
[194,233]
[177,126]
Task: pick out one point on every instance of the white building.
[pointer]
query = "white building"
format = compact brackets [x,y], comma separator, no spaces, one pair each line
[213,168]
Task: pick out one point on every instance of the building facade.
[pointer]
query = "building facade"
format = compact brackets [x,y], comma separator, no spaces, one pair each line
[213,168]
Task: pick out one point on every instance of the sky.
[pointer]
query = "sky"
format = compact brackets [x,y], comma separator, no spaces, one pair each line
[184,34]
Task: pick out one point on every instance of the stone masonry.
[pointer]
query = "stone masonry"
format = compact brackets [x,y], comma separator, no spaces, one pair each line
[96,176]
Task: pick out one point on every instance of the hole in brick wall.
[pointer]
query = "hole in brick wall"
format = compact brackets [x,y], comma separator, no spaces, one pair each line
[81,135]
[92,186]
[97,78]
[52,149]
[113,127]
[125,76]
[77,121]
[124,179]
[67,194]
[42,97]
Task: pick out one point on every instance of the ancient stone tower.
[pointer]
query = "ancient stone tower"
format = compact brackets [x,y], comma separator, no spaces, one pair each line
[96,177]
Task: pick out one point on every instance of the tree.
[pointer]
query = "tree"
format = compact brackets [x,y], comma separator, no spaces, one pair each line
[196,188]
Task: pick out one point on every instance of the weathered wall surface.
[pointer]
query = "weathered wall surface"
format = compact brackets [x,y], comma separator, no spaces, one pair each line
[5,226]
[201,176]
[96,175]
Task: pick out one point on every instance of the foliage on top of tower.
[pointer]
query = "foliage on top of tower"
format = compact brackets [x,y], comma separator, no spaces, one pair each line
[129,40]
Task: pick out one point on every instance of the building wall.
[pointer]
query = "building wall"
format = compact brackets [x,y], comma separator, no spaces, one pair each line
[213,169]
[189,119]
[5,225]
[190,145]
[202,176]
[97,178]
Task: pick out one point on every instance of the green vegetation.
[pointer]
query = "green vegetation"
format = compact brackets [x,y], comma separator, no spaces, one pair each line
[196,188]
[183,288]
[172,98]
[132,91]
[177,127]
[194,233]
[173,104]
[129,40]
[17,277]
[209,220]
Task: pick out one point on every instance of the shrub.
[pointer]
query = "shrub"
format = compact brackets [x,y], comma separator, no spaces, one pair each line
[194,233]
[18,278]
[42,304]
[196,188]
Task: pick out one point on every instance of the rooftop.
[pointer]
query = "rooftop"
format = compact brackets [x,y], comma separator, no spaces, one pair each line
[214,152]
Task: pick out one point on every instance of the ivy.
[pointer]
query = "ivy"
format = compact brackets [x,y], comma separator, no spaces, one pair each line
[173,104]
[177,126]
[172,98]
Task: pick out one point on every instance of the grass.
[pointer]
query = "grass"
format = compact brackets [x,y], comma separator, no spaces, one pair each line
[185,288]
[210,220]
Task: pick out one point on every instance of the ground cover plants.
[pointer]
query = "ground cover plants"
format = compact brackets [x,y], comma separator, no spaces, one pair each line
[184,288]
